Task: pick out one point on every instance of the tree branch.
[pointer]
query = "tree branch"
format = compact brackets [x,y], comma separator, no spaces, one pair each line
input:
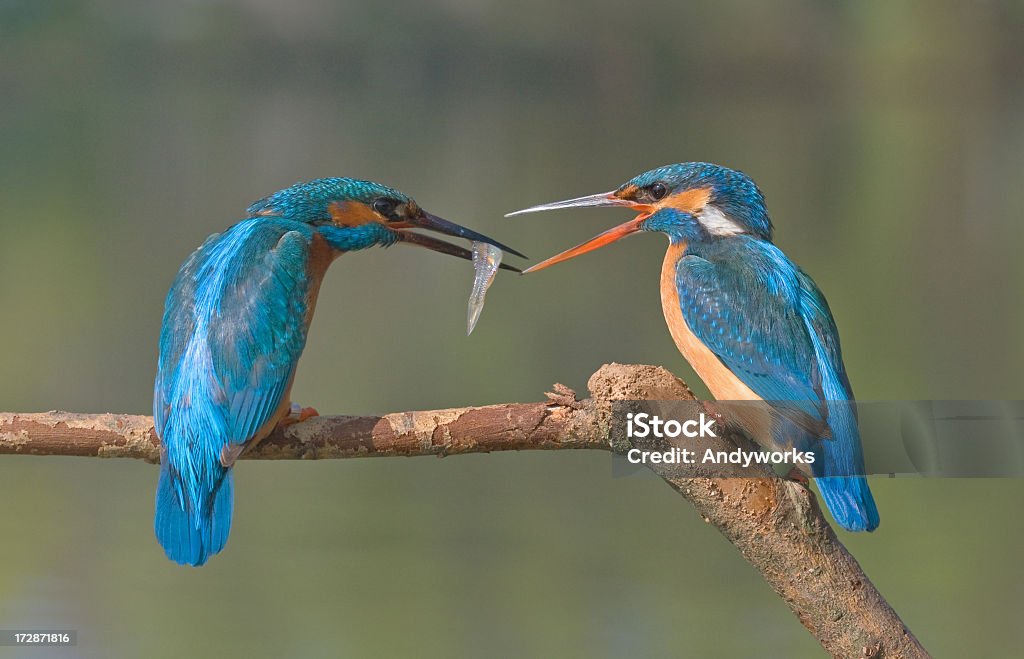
[775,523]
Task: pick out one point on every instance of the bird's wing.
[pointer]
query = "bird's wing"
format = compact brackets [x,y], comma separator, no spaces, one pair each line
[825,336]
[844,456]
[256,358]
[751,319]
[234,328]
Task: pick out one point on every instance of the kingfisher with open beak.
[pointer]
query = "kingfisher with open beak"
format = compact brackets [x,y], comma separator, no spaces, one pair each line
[234,326]
[751,323]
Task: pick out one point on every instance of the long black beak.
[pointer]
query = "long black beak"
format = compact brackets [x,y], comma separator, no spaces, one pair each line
[441,225]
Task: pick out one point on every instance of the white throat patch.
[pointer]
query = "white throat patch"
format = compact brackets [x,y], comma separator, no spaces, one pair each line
[718,223]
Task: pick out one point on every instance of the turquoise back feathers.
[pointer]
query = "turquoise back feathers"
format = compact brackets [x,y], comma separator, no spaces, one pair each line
[748,319]
[234,327]
[233,330]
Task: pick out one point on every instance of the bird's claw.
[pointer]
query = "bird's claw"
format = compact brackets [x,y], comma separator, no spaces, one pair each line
[297,414]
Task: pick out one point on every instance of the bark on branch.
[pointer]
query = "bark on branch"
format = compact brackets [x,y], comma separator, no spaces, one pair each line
[774,523]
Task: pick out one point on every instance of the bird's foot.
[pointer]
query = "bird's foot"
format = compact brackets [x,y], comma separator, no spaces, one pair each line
[297,414]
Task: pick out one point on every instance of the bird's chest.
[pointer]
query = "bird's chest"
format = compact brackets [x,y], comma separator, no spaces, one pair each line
[722,383]
[321,255]
[755,420]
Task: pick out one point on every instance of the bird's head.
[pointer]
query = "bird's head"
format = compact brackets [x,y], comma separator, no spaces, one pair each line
[351,214]
[690,202]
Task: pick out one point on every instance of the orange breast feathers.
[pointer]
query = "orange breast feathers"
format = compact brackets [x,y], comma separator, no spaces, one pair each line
[723,384]
[321,255]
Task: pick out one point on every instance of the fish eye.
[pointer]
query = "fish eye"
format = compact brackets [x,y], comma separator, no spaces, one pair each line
[657,191]
[385,206]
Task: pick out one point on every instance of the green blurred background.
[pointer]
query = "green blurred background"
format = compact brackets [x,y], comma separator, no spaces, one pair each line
[888,138]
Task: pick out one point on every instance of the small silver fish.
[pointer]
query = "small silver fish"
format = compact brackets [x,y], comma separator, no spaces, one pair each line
[486,260]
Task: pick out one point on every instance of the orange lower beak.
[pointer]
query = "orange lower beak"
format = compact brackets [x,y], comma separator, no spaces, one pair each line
[606,238]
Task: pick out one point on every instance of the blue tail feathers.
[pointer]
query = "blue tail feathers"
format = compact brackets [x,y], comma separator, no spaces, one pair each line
[187,537]
[850,502]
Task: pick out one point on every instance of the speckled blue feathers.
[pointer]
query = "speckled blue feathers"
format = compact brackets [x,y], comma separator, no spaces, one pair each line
[768,323]
[308,202]
[233,330]
[766,320]
[234,327]
[732,191]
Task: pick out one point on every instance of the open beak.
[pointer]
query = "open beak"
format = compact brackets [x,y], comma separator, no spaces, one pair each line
[606,238]
[441,225]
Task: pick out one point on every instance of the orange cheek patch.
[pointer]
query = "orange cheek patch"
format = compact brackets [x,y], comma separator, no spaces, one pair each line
[352,213]
[688,201]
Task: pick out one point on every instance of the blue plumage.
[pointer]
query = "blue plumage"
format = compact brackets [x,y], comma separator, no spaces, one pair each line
[735,193]
[233,330]
[750,322]
[742,301]
[770,325]
[234,327]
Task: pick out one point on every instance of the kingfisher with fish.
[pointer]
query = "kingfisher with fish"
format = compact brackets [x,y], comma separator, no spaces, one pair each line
[235,324]
[751,323]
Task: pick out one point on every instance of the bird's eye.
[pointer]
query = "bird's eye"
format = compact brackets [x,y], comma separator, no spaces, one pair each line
[657,191]
[384,206]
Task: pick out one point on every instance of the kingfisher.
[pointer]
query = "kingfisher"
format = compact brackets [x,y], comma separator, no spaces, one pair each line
[751,323]
[234,326]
